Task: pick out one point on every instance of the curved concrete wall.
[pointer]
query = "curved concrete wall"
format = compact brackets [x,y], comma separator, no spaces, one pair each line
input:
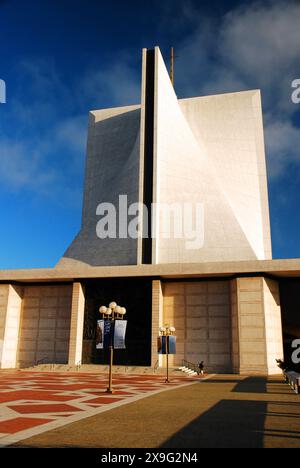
[112,168]
[207,150]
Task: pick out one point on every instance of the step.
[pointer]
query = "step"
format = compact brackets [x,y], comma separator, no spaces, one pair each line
[94,368]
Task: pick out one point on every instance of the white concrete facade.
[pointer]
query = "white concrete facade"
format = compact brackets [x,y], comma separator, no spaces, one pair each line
[222,297]
[233,325]
[207,150]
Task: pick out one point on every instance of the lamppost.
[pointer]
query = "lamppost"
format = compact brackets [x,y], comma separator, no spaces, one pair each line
[112,312]
[166,332]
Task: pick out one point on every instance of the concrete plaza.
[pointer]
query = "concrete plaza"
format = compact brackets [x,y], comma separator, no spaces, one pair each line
[223,411]
[35,402]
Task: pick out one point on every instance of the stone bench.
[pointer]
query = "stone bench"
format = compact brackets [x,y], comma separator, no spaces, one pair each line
[293,378]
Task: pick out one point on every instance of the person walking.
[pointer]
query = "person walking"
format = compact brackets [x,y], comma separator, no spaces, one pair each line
[201,367]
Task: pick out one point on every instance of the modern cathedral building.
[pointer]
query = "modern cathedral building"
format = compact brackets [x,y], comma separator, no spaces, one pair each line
[203,161]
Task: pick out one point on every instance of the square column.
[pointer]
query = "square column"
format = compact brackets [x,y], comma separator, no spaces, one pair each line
[10,316]
[157,320]
[77,321]
[256,326]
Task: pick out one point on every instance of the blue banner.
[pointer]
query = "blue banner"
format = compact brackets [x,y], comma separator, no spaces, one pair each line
[172,344]
[162,345]
[100,334]
[166,344]
[119,334]
[103,336]
[108,330]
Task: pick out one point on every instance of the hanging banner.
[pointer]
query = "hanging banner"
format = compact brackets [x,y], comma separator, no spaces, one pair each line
[103,335]
[166,344]
[120,333]
[162,345]
[100,334]
[172,344]
[108,330]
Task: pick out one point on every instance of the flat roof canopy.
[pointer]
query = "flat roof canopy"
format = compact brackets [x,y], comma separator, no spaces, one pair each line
[276,268]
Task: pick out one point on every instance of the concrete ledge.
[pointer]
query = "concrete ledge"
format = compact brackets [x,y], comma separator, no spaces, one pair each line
[77,271]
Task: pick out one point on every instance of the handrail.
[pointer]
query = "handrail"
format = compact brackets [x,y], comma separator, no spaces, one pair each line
[190,365]
[42,361]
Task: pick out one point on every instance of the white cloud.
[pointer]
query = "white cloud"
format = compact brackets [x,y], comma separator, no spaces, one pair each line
[42,142]
[44,150]
[117,82]
[254,46]
[21,167]
[283,146]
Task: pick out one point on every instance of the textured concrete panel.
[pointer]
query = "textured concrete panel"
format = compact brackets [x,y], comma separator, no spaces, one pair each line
[42,333]
[112,169]
[256,326]
[231,129]
[182,160]
[203,337]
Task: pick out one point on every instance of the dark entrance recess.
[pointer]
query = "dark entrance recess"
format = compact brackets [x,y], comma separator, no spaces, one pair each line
[290,310]
[136,295]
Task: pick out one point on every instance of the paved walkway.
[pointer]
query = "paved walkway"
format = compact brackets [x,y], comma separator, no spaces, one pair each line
[31,403]
[225,411]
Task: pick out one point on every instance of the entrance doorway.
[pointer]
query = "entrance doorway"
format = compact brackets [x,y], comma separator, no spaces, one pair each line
[290,309]
[136,295]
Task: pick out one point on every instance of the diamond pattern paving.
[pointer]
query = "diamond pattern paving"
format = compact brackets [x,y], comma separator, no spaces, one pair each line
[54,399]
[20,424]
[30,409]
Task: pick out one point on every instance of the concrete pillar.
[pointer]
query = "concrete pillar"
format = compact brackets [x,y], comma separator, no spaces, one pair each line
[77,321]
[175,314]
[157,319]
[10,315]
[256,326]
[274,336]
[235,336]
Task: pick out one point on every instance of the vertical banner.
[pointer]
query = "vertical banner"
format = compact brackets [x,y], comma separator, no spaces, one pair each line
[103,335]
[162,345]
[120,333]
[100,334]
[166,344]
[172,344]
[108,330]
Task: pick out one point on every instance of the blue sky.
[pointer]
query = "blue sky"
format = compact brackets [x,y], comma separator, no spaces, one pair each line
[60,59]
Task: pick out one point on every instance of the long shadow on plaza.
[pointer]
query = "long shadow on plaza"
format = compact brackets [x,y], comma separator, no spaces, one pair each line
[261,385]
[230,423]
[251,385]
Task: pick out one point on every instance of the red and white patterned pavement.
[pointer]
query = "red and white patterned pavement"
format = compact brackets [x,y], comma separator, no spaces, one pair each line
[31,402]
